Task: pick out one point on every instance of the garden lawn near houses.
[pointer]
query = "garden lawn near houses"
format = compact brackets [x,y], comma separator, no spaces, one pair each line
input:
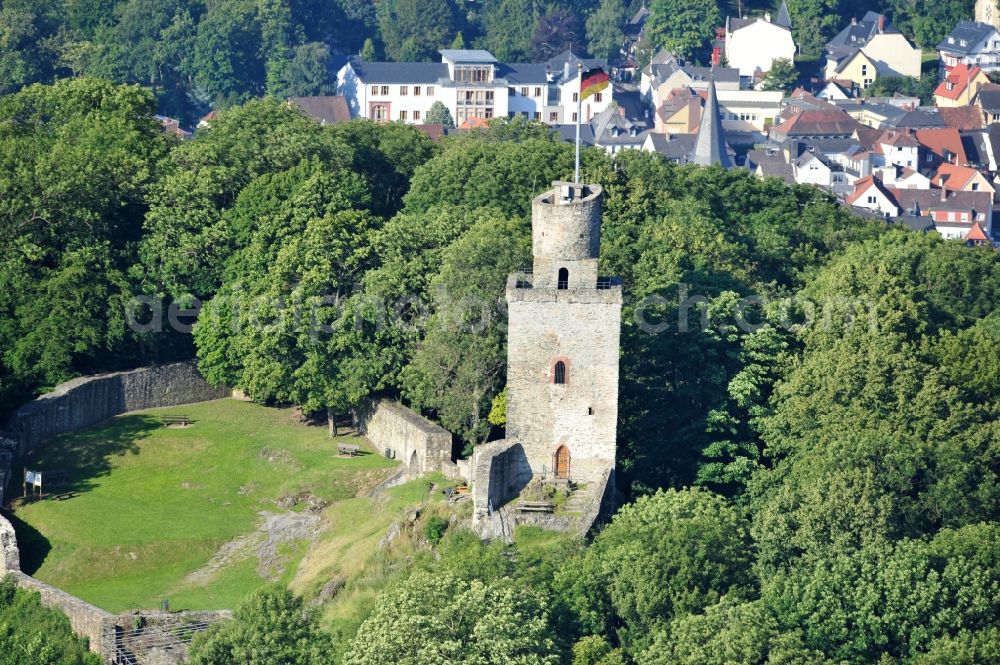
[188,514]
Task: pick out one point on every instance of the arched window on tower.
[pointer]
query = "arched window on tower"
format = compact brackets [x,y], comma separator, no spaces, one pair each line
[559,373]
[563,278]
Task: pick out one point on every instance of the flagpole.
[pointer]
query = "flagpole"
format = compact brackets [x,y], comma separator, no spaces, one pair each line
[579,108]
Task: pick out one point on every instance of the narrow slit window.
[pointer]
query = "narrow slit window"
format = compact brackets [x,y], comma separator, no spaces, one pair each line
[563,281]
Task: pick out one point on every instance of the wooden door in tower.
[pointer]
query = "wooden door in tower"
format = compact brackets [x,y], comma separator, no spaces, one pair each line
[561,462]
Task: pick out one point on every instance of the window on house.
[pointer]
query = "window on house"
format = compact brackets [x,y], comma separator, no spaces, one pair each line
[524,91]
[963,43]
[864,70]
[488,114]
[951,40]
[402,115]
[590,410]
[374,89]
[563,280]
[574,116]
[416,115]
[385,90]
[538,115]
[404,90]
[930,157]
[554,116]
[430,91]
[598,96]
[559,373]
[871,199]
[538,92]
[576,95]
[380,112]
[416,91]
[975,186]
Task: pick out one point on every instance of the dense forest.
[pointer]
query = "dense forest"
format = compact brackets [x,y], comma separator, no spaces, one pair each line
[813,477]
[196,55]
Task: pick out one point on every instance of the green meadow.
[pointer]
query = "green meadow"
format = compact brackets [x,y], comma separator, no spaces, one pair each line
[151,512]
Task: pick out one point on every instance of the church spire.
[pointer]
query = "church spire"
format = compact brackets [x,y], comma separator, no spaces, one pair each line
[784,18]
[710,146]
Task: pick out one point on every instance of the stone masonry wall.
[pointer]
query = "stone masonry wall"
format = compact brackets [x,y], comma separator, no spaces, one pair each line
[85,619]
[499,472]
[90,400]
[10,557]
[581,328]
[418,443]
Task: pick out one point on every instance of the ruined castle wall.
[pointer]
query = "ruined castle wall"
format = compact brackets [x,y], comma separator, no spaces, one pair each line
[499,471]
[90,400]
[10,557]
[398,432]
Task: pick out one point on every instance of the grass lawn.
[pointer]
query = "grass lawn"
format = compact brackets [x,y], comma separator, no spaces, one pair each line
[155,504]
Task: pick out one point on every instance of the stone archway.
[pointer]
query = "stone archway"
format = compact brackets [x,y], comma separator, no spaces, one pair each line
[413,465]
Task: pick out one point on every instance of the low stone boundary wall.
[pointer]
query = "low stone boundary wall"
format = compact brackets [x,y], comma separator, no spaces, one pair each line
[162,635]
[91,400]
[604,503]
[398,432]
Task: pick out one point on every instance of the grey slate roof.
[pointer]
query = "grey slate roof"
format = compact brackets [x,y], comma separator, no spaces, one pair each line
[857,35]
[399,72]
[784,19]
[522,73]
[675,147]
[557,64]
[970,32]
[989,98]
[710,146]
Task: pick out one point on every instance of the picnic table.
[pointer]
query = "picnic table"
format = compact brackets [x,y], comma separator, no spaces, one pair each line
[348,449]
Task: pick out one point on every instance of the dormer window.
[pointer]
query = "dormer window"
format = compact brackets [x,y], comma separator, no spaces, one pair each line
[951,40]
[963,43]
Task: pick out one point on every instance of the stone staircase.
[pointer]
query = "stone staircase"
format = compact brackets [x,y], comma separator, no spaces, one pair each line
[578,501]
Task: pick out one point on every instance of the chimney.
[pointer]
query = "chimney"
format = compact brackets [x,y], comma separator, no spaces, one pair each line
[767,16]
[881,23]
[854,20]
[944,192]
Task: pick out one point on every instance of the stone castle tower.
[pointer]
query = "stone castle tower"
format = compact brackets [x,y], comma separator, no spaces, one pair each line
[563,342]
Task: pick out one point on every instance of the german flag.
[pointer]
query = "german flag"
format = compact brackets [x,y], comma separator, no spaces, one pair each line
[594,80]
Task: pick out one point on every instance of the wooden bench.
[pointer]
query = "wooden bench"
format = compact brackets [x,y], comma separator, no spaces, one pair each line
[167,420]
[536,507]
[348,449]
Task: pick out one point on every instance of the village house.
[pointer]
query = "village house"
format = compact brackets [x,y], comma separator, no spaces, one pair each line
[741,110]
[960,85]
[752,44]
[952,214]
[470,84]
[956,178]
[971,43]
[667,73]
[870,48]
[987,101]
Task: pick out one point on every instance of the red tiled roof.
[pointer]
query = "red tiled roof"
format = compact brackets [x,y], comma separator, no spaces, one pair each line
[959,78]
[942,141]
[953,177]
[976,234]
[818,123]
[475,123]
[862,185]
[961,117]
